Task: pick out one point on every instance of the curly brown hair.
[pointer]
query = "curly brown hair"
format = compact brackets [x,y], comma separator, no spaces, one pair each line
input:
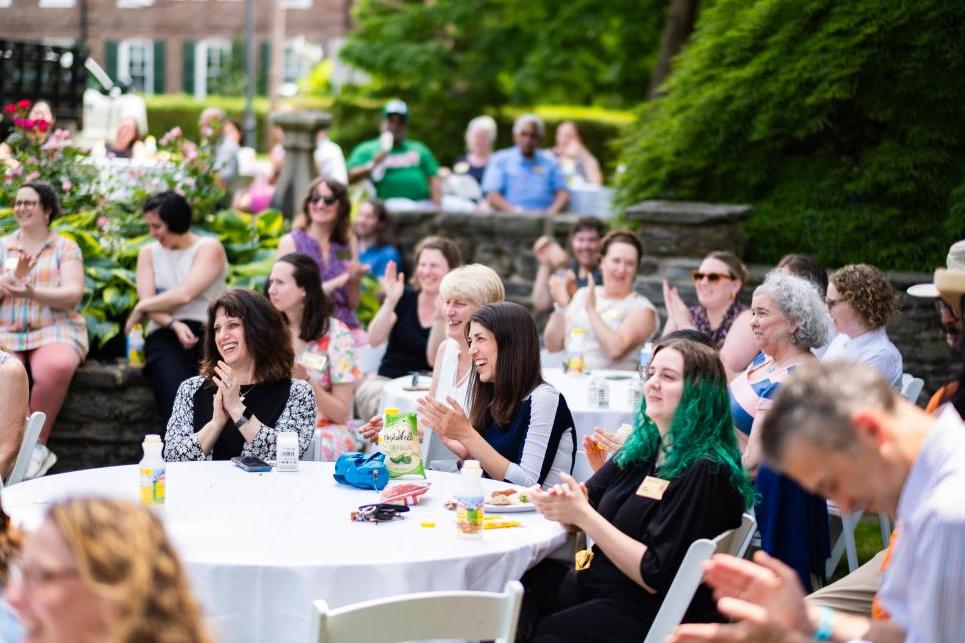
[10,541]
[868,291]
[124,556]
[266,335]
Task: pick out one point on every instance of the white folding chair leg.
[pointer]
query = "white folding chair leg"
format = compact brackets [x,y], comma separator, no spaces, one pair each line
[885,523]
[31,431]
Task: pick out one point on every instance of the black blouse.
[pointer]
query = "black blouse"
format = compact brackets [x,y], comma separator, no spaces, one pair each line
[406,350]
[700,503]
[266,401]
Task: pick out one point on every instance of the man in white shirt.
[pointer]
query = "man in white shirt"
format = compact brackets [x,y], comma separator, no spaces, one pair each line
[838,429]
[329,158]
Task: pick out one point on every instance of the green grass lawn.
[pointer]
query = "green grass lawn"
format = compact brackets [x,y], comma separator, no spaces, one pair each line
[867,537]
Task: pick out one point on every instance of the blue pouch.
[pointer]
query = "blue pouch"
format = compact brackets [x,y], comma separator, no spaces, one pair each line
[362,471]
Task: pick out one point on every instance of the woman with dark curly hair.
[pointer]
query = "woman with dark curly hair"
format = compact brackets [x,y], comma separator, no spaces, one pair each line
[245,395]
[322,231]
[677,478]
[861,301]
[103,570]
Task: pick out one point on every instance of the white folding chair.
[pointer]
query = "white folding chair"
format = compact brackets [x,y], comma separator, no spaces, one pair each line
[689,575]
[911,387]
[422,616]
[314,451]
[31,432]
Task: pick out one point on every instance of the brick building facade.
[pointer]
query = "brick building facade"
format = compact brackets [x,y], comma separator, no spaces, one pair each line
[170,46]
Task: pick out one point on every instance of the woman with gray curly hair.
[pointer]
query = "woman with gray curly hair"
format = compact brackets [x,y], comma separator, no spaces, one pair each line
[788,319]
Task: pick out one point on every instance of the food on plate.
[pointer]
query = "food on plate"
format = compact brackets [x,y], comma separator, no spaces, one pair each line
[404,493]
[505,497]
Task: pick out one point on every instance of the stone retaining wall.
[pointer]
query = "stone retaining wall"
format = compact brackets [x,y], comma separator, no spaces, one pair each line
[109,407]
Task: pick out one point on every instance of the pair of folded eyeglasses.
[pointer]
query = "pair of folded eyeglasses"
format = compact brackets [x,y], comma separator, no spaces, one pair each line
[381,512]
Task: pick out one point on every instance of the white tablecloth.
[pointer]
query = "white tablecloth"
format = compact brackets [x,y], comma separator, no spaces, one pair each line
[260,547]
[575,388]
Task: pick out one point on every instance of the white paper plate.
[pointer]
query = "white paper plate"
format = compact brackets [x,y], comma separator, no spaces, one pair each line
[510,509]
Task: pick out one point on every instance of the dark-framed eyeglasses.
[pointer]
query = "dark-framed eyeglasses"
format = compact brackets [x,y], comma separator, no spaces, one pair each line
[380,512]
[831,303]
[712,277]
[25,204]
[328,200]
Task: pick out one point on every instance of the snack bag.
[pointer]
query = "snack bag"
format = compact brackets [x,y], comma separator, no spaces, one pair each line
[399,441]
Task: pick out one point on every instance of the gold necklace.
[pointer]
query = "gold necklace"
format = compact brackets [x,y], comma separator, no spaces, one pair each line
[241,395]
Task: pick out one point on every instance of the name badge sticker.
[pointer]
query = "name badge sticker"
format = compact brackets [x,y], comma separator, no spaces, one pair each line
[314,361]
[652,488]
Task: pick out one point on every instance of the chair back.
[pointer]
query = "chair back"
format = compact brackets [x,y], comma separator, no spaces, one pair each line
[689,575]
[31,431]
[737,541]
[911,387]
[422,616]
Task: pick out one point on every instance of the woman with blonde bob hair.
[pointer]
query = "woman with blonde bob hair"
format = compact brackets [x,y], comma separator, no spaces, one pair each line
[103,570]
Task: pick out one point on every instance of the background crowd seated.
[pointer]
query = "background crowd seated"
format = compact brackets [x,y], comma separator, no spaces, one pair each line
[232,368]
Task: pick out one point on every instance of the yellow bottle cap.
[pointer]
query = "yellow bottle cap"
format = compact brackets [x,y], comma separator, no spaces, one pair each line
[428,525]
[392,411]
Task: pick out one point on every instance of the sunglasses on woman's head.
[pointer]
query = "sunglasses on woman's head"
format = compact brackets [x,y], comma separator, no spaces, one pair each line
[712,277]
[329,200]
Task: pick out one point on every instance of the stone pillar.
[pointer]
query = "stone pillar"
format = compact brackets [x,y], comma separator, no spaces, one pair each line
[299,168]
[688,228]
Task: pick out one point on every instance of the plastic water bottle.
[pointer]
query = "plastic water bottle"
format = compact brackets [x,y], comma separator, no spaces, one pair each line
[135,346]
[152,471]
[599,393]
[575,361]
[470,501]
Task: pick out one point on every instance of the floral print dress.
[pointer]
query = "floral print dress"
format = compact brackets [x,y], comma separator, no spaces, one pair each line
[333,359]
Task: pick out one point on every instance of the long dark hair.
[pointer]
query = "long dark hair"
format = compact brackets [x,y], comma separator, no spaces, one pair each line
[266,335]
[387,234]
[517,371]
[318,305]
[342,221]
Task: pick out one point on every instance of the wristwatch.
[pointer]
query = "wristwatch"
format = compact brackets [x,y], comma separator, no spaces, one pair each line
[243,420]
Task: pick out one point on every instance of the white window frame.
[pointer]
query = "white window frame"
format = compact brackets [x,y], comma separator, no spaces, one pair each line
[201,49]
[134,4]
[298,4]
[293,62]
[55,4]
[6,4]
[124,61]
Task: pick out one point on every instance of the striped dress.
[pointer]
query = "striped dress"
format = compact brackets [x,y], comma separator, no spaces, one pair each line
[793,522]
[26,324]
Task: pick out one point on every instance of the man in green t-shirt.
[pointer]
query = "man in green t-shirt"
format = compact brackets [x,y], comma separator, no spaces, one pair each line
[399,168]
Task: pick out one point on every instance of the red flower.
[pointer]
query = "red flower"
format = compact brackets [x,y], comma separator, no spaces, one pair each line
[23,104]
[9,109]
[42,125]
[19,122]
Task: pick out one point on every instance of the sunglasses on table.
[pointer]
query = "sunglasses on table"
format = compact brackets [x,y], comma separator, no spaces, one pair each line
[328,200]
[712,277]
[381,512]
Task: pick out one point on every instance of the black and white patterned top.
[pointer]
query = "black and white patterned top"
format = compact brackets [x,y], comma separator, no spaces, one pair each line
[181,443]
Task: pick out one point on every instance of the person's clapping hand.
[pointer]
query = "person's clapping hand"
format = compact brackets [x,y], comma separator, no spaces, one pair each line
[356,269]
[676,308]
[393,283]
[560,289]
[541,250]
[565,502]
[219,415]
[590,293]
[24,263]
[230,389]
[765,596]
[447,420]
[371,429]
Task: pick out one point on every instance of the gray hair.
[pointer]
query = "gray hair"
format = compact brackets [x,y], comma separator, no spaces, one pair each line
[484,123]
[527,119]
[799,301]
[816,403]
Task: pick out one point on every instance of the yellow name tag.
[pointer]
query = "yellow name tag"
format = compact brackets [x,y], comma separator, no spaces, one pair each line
[314,361]
[652,488]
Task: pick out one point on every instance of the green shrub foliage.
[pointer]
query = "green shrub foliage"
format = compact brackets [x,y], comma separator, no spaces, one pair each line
[840,121]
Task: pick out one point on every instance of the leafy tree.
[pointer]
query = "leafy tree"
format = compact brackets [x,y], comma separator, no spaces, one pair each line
[452,60]
[840,121]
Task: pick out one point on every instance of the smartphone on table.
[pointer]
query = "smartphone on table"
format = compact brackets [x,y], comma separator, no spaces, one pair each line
[251,463]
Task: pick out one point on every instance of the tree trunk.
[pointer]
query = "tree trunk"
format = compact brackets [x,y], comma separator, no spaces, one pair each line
[681,17]
[277,66]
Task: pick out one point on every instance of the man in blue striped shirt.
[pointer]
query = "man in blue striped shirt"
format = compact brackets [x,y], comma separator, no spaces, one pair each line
[840,430]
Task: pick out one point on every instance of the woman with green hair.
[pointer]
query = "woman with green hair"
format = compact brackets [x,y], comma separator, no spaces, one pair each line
[677,478]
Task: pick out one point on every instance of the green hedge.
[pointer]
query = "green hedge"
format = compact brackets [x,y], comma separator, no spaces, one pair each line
[839,121]
[166,111]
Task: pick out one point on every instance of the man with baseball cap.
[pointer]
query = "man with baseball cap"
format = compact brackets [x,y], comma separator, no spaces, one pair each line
[398,167]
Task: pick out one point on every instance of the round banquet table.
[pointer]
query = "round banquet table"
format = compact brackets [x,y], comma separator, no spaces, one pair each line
[575,388]
[260,547]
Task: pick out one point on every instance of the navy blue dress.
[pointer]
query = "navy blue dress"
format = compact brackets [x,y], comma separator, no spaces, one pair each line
[539,440]
[793,523]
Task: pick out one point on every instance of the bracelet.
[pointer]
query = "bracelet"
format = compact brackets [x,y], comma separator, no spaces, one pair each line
[824,631]
[245,416]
